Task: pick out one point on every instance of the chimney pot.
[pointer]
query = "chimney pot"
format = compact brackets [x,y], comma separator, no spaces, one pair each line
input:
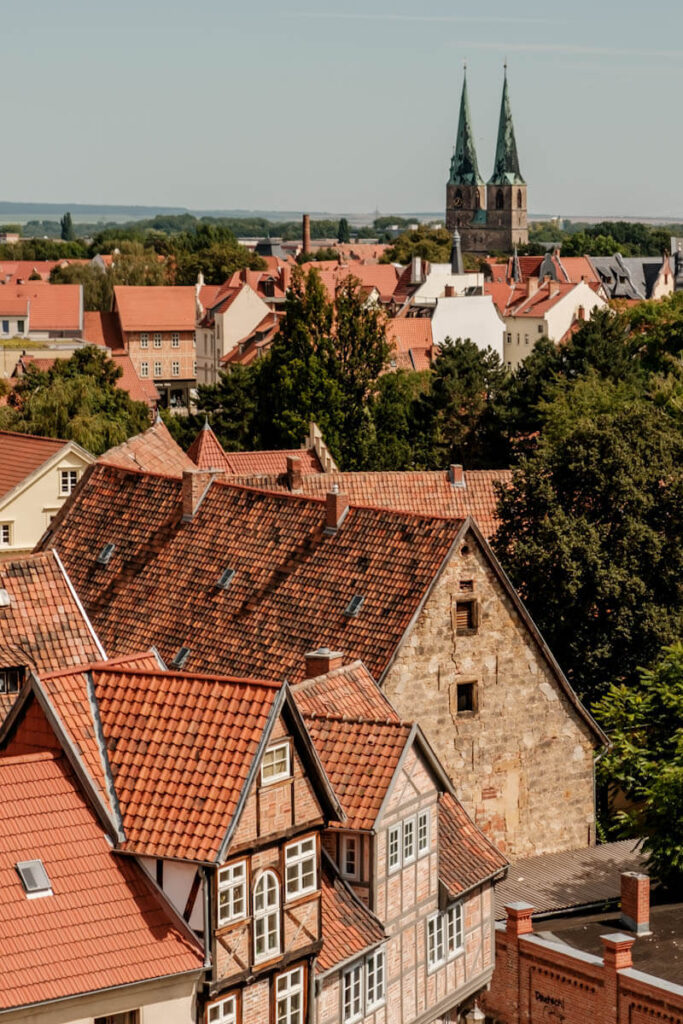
[456,475]
[294,473]
[322,661]
[635,902]
[336,507]
[195,484]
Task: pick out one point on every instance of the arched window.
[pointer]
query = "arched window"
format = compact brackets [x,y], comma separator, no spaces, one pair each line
[500,201]
[477,199]
[266,916]
[520,202]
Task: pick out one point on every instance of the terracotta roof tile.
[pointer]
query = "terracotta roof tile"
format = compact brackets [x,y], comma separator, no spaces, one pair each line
[466,856]
[348,928]
[428,493]
[207,452]
[292,581]
[138,389]
[50,307]
[21,455]
[102,329]
[350,689]
[155,308]
[153,451]
[104,926]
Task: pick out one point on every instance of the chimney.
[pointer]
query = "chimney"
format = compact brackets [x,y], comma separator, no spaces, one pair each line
[635,902]
[553,288]
[336,507]
[195,485]
[416,276]
[519,919]
[322,661]
[450,291]
[531,286]
[456,476]
[616,951]
[294,473]
[306,246]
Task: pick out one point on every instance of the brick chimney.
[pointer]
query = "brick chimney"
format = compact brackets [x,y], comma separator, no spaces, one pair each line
[635,902]
[450,291]
[531,286]
[306,245]
[456,475]
[336,507]
[616,951]
[519,919]
[322,661]
[195,485]
[294,473]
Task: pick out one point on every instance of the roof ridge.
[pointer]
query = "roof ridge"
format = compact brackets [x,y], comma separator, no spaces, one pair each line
[301,686]
[329,716]
[36,437]
[39,755]
[106,667]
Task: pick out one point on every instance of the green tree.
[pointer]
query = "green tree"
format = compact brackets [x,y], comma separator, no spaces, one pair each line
[134,264]
[591,528]
[97,289]
[231,406]
[318,255]
[76,399]
[433,244]
[343,233]
[392,412]
[645,724]
[67,228]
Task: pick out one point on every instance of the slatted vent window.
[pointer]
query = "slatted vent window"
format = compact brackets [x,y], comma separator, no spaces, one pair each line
[466,586]
[466,617]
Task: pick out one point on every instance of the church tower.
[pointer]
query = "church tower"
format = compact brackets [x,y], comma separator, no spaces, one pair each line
[465,191]
[506,201]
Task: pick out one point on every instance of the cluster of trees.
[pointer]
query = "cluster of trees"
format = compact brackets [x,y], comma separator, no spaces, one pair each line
[603,239]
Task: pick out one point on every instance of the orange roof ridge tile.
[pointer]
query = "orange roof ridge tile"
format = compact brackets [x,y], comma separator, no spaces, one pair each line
[39,755]
[121,659]
[105,667]
[35,437]
[330,716]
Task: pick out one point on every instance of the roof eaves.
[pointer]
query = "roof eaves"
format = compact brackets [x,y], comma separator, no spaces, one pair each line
[334,806]
[401,761]
[332,868]
[34,475]
[80,607]
[102,748]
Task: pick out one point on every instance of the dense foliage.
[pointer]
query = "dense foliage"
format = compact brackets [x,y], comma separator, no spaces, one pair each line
[603,239]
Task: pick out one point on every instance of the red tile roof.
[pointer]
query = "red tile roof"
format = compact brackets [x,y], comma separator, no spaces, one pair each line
[207,452]
[466,856]
[19,271]
[360,757]
[50,307]
[21,455]
[155,307]
[350,689]
[292,581]
[348,928]
[44,622]
[104,926]
[153,451]
[180,749]
[102,329]
[428,493]
[411,341]
[139,390]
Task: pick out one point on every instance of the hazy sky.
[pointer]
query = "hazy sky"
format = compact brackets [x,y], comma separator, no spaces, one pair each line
[346,106]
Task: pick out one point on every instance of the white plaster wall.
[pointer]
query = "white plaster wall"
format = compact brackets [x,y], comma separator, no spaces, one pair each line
[440,275]
[242,316]
[474,317]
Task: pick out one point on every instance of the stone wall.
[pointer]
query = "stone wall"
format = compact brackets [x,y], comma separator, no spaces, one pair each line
[522,762]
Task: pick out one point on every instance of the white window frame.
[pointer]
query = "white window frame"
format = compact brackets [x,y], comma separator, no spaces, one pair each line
[436,944]
[297,856]
[267,917]
[350,843]
[455,930]
[5,535]
[375,990]
[144,369]
[394,863]
[409,841]
[175,368]
[423,847]
[222,1012]
[175,339]
[232,883]
[70,476]
[284,773]
[144,340]
[288,986]
[352,994]
[158,369]
[157,339]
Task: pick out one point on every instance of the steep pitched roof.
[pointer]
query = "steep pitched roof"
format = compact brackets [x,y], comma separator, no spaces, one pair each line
[104,926]
[506,163]
[50,307]
[292,581]
[350,689]
[102,329]
[22,454]
[428,493]
[155,307]
[139,390]
[466,856]
[348,927]
[464,167]
[153,451]
[206,452]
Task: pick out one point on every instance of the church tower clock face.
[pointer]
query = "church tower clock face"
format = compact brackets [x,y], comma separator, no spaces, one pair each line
[457,202]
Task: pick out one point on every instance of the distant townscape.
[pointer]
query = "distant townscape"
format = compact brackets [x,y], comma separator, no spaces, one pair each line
[341,647]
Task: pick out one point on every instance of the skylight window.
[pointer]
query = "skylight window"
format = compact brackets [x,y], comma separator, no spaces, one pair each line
[225,579]
[105,554]
[34,878]
[354,606]
[181,657]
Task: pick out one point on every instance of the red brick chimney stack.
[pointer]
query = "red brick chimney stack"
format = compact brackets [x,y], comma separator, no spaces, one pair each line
[450,291]
[336,507]
[307,233]
[294,473]
[635,902]
[519,919]
[195,484]
[456,475]
[322,661]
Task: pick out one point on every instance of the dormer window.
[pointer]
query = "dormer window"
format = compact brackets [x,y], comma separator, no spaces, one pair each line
[276,764]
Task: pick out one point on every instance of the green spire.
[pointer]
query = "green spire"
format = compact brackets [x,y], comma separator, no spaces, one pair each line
[506,167]
[464,169]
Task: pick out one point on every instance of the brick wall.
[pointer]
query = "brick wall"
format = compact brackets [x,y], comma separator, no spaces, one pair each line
[536,981]
[523,754]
